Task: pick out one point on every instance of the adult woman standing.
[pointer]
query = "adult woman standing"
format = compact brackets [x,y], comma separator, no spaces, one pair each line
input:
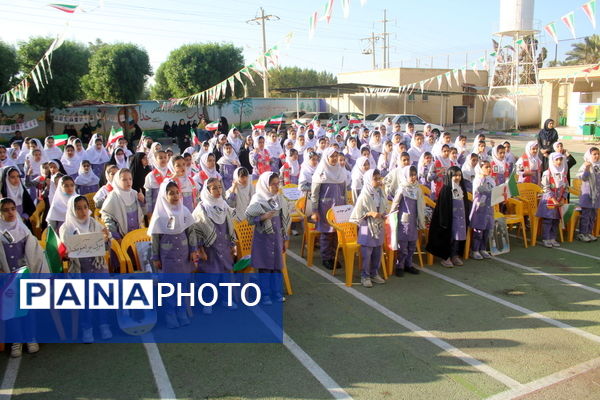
[546,139]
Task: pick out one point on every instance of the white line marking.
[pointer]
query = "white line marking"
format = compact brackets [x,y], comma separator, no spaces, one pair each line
[10,376]
[311,365]
[567,282]
[566,250]
[486,369]
[165,390]
[549,380]
[515,307]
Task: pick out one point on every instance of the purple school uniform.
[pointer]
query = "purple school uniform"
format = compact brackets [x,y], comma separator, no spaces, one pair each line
[188,200]
[132,221]
[331,194]
[267,249]
[375,155]
[407,233]
[459,226]
[151,196]
[227,174]
[294,179]
[219,255]
[349,160]
[482,213]
[543,211]
[98,169]
[21,213]
[468,185]
[585,199]
[370,249]
[174,253]
[86,189]
[15,254]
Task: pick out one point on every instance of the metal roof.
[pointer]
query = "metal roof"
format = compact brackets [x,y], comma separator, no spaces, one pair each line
[360,88]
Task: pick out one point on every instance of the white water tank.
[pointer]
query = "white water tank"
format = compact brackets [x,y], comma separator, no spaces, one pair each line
[516,16]
[503,112]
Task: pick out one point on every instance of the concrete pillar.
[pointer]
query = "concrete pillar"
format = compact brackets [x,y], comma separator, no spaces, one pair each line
[549,101]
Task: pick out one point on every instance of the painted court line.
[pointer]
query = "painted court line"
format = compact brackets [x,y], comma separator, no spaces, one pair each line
[10,376]
[566,250]
[486,369]
[567,282]
[526,311]
[163,383]
[307,362]
[548,381]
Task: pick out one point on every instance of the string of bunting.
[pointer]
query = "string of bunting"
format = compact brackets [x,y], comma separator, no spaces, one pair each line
[327,15]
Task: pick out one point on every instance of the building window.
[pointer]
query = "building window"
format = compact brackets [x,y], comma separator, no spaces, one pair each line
[585,97]
[411,97]
[425,98]
[468,100]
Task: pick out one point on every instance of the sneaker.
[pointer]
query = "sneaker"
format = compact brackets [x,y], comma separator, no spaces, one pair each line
[266,301]
[207,310]
[412,270]
[294,232]
[88,336]
[547,243]
[592,237]
[366,282]
[33,347]
[555,243]
[171,319]
[584,238]
[16,350]
[399,272]
[447,263]
[485,254]
[475,255]
[457,261]
[377,279]
[105,332]
[182,317]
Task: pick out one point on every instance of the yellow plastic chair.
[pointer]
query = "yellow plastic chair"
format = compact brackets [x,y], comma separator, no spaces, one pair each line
[515,215]
[91,203]
[572,223]
[244,233]
[310,234]
[529,194]
[124,266]
[128,246]
[349,199]
[36,219]
[426,190]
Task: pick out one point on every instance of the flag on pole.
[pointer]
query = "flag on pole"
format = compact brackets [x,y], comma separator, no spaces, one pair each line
[566,212]
[194,138]
[277,119]
[328,11]
[213,126]
[315,123]
[312,27]
[68,8]
[551,29]
[60,140]
[298,123]
[589,9]
[261,124]
[354,119]
[569,21]
[114,136]
[513,188]
[55,251]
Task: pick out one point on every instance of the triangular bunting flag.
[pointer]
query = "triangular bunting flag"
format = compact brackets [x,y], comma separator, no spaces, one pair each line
[551,29]
[569,21]
[589,9]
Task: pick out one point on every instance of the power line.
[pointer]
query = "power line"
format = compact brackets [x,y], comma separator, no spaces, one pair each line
[261,21]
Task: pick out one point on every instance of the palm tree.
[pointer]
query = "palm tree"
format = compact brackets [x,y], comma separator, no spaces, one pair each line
[586,52]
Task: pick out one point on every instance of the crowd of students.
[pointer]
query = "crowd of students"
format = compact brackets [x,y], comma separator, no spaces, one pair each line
[190,201]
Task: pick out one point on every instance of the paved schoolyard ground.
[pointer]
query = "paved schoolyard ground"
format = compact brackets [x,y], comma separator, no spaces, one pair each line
[524,325]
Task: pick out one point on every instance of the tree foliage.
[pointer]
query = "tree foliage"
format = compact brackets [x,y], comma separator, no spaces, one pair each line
[69,64]
[288,77]
[193,68]
[586,52]
[9,67]
[117,73]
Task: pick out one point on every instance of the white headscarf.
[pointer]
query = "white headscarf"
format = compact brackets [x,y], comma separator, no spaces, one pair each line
[129,197]
[51,153]
[358,171]
[306,171]
[16,228]
[211,172]
[58,207]
[327,173]
[300,147]
[534,161]
[228,159]
[121,163]
[467,170]
[14,192]
[169,219]
[86,178]
[558,173]
[236,142]
[71,164]
[216,208]
[458,146]
[352,150]
[263,192]
[152,161]
[294,164]
[274,148]
[374,144]
[501,164]
[94,155]
[594,190]
[409,190]
[244,192]
[74,224]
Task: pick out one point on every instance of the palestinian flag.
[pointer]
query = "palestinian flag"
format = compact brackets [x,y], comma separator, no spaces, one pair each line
[260,124]
[194,138]
[68,8]
[114,136]
[213,126]
[278,120]
[60,140]
[55,251]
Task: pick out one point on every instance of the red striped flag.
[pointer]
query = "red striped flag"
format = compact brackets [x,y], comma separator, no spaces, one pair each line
[68,8]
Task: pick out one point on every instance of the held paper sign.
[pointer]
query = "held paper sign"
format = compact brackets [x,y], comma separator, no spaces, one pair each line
[292,193]
[342,213]
[499,194]
[86,245]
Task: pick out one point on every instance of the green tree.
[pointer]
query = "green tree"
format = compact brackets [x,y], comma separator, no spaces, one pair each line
[193,68]
[288,77]
[118,73]
[9,67]
[586,52]
[69,63]
[160,90]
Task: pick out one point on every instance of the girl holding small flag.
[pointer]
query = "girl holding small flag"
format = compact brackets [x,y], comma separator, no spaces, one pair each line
[96,154]
[51,152]
[174,247]
[436,174]
[409,204]
[555,185]
[19,249]
[122,210]
[187,186]
[528,166]
[368,213]
[86,181]
[103,192]
[228,163]
[58,207]
[268,212]
[290,170]
[482,213]
[589,200]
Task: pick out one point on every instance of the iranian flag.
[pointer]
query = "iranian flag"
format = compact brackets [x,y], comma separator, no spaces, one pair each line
[315,123]
[298,123]
[569,21]
[589,9]
[194,138]
[354,119]
[566,212]
[114,136]
[68,8]
[55,251]
[213,126]
[260,124]
[278,119]
[551,30]
[60,140]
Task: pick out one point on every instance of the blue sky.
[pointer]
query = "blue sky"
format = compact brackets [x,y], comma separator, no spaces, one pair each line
[419,29]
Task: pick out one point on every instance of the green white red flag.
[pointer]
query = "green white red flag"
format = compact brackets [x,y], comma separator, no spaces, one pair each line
[213,126]
[551,30]
[60,140]
[328,11]
[194,138]
[260,124]
[114,136]
[589,9]
[277,119]
[569,20]
[68,8]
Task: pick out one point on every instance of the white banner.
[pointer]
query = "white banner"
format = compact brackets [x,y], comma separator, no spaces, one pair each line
[24,126]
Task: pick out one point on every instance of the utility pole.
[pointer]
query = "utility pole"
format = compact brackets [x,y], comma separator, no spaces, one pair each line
[386,47]
[261,21]
[371,49]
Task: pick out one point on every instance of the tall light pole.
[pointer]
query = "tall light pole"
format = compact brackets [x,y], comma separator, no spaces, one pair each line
[261,21]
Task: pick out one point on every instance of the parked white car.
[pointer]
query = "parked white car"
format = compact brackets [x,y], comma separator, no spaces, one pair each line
[323,117]
[402,119]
